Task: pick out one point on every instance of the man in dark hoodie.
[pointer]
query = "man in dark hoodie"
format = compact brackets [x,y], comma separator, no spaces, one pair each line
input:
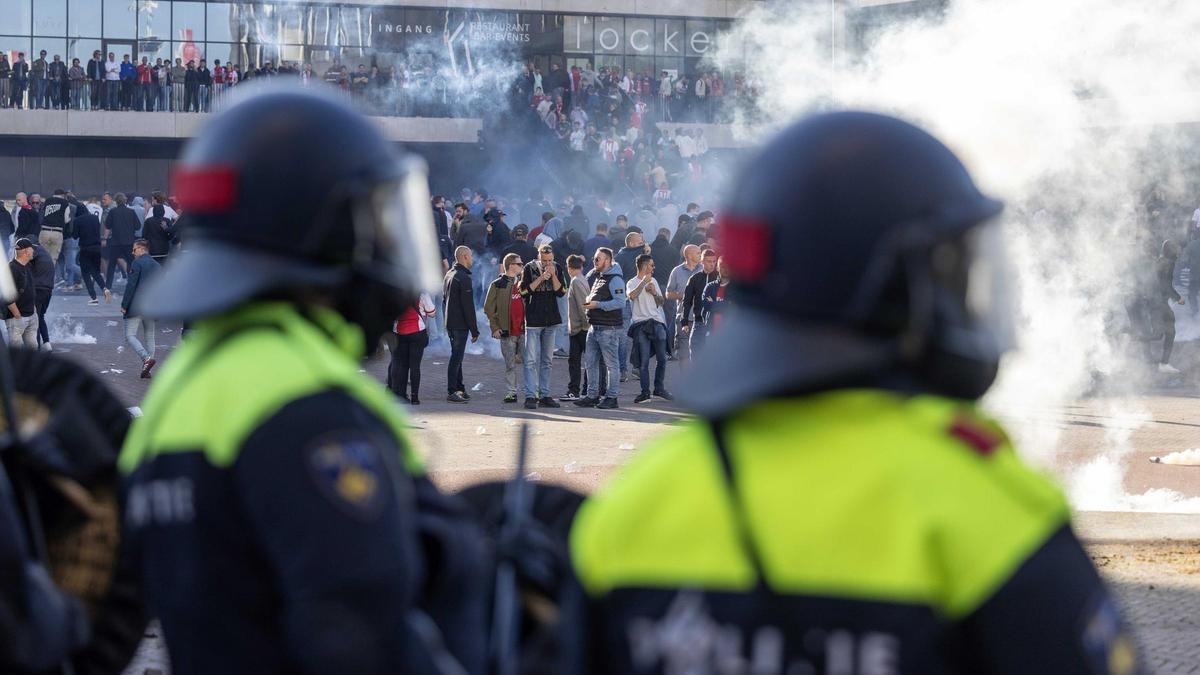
[520,245]
[86,226]
[460,320]
[577,221]
[543,282]
[121,226]
[1164,269]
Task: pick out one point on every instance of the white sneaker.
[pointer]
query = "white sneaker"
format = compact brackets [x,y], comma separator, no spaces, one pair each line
[47,347]
[1168,369]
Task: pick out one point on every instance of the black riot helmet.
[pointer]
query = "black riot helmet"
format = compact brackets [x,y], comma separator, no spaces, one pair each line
[861,254]
[290,189]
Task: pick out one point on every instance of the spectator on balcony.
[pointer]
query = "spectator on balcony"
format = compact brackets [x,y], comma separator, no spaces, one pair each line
[220,78]
[178,83]
[359,82]
[95,79]
[128,77]
[57,84]
[162,76]
[143,98]
[18,79]
[77,84]
[37,81]
[5,74]
[191,88]
[204,82]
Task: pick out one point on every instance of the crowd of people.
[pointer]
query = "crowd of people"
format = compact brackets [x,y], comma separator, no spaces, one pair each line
[127,82]
[603,298]
[67,243]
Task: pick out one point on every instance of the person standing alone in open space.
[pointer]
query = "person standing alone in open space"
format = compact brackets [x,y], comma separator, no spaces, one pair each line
[505,310]
[460,320]
[143,268]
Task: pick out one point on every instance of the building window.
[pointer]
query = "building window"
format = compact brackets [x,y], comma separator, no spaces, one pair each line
[18,18]
[50,17]
[83,18]
[187,22]
[577,35]
[154,19]
[120,19]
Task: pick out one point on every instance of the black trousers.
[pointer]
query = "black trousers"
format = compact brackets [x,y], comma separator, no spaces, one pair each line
[575,361]
[1164,319]
[114,253]
[458,347]
[89,266]
[191,98]
[41,298]
[405,368]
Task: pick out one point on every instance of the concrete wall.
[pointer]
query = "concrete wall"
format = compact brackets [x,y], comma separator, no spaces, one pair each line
[136,125]
[103,124]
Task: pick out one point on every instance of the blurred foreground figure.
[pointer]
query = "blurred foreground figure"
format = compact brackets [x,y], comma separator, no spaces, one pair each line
[842,506]
[279,515]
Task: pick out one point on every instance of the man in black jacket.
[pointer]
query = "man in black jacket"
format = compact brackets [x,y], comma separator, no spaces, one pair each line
[86,226]
[460,320]
[191,88]
[56,214]
[28,219]
[691,312]
[42,269]
[543,282]
[520,244]
[95,77]
[120,226]
[158,231]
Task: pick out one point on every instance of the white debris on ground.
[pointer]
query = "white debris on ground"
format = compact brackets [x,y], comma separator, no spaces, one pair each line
[110,324]
[120,349]
[533,475]
[65,331]
[478,387]
[1181,458]
[573,467]
[625,446]
[479,431]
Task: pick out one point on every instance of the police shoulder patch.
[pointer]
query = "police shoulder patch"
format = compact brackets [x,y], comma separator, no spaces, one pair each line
[349,471]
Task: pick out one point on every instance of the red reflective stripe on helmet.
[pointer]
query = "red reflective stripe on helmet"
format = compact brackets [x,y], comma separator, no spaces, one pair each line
[977,437]
[745,245]
[205,189]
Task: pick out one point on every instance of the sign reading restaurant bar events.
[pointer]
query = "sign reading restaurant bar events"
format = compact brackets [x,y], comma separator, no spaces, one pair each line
[395,28]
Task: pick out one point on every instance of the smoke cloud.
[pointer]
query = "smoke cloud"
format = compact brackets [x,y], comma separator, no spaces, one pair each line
[1058,108]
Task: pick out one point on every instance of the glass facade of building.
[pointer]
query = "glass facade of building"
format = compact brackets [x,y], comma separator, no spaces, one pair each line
[252,33]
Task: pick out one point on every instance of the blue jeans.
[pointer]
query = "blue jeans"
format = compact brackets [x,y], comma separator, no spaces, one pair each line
[39,94]
[458,345]
[539,354]
[657,345]
[112,90]
[626,341]
[561,339]
[71,273]
[606,340]
[132,323]
[164,95]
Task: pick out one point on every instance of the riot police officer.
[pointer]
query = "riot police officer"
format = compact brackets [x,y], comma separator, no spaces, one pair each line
[277,510]
[842,505]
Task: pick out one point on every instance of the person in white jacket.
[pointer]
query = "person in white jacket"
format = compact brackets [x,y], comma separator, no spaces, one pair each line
[112,81]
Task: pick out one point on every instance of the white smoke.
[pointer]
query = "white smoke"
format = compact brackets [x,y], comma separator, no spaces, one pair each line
[1050,106]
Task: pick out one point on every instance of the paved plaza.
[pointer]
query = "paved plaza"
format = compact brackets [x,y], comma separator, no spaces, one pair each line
[1152,561]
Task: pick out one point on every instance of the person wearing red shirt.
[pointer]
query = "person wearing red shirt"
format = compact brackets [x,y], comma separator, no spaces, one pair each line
[144,98]
[505,311]
[412,338]
[220,78]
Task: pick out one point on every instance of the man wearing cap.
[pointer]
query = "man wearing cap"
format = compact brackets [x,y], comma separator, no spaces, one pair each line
[520,244]
[20,315]
[841,504]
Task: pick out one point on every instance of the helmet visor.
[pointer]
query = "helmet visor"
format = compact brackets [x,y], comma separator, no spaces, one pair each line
[989,284]
[398,234]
